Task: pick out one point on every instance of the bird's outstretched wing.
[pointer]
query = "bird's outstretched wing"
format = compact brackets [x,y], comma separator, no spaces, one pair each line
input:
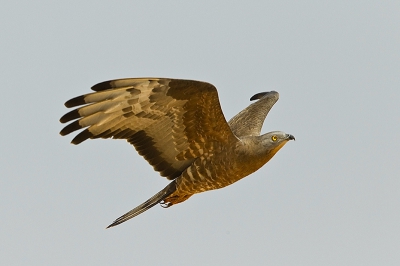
[170,122]
[250,120]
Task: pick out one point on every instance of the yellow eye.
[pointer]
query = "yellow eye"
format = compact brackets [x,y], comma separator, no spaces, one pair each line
[274,138]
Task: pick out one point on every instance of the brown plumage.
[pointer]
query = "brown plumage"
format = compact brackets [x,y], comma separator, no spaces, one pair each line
[179,128]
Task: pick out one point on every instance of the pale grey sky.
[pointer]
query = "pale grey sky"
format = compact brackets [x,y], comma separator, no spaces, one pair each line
[329,198]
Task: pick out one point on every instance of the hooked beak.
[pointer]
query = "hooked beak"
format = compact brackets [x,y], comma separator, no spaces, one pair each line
[290,137]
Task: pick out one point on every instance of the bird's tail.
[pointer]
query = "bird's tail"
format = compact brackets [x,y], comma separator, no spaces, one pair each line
[157,198]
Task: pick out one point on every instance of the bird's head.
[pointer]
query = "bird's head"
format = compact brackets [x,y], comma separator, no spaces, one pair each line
[259,150]
[273,141]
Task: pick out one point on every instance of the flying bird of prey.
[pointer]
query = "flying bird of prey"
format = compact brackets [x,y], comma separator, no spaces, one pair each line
[179,128]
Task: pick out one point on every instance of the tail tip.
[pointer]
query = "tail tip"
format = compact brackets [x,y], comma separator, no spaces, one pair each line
[112,225]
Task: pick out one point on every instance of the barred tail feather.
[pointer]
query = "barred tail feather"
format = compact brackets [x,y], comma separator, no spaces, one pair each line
[157,198]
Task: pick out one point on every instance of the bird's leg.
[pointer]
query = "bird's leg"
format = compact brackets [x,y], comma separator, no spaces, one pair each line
[165,204]
[174,199]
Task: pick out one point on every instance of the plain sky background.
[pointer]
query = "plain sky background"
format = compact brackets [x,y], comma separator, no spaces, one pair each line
[332,197]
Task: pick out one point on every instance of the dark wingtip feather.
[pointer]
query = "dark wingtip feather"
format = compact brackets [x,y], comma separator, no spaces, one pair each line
[70,128]
[84,135]
[74,114]
[102,86]
[258,96]
[75,101]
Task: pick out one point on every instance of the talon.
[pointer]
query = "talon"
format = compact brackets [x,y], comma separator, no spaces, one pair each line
[165,204]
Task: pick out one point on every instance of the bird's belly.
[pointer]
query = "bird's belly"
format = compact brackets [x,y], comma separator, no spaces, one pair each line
[207,175]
